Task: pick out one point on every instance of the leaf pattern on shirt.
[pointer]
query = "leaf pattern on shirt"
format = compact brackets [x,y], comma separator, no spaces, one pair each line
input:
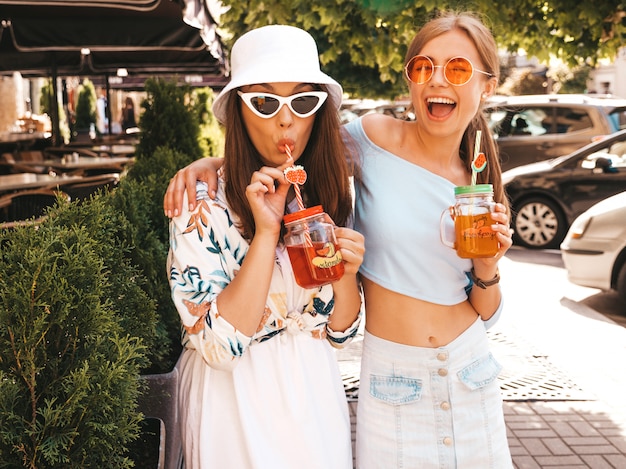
[201,311]
[318,333]
[266,314]
[198,220]
[319,307]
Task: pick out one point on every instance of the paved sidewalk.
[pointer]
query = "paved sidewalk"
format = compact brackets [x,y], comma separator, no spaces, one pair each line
[587,348]
[571,362]
[565,435]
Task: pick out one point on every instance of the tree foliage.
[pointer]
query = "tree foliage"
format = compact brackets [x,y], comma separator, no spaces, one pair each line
[167,121]
[86,105]
[576,32]
[360,47]
[362,42]
[46,101]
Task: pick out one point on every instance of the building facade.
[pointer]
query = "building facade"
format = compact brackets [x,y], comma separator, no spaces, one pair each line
[610,78]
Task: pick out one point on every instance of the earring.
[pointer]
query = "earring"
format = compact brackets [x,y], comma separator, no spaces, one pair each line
[484,96]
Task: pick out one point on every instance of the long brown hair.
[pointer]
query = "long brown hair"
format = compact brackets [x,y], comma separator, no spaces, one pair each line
[487,49]
[324,159]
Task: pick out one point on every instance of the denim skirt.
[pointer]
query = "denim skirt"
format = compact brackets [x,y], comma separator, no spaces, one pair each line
[422,408]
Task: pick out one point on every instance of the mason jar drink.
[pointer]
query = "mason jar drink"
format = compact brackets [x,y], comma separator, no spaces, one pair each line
[473,236]
[312,248]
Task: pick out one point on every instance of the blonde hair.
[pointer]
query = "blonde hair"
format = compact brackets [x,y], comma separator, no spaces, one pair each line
[487,49]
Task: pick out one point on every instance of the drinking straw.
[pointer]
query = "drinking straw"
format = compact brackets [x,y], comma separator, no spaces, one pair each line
[476,153]
[296,186]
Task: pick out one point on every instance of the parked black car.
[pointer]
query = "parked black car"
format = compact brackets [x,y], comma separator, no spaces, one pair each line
[547,196]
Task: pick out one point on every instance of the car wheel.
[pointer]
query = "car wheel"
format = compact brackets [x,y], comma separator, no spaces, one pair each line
[539,224]
[621,283]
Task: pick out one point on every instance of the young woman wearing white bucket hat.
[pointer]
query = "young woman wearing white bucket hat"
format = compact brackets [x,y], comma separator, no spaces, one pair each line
[260,385]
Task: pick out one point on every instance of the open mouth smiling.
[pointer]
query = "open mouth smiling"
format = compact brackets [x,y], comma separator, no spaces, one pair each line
[440,107]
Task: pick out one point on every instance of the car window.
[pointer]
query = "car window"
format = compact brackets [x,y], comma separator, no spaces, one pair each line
[495,120]
[617,118]
[616,153]
[572,120]
[530,122]
[589,162]
[541,119]
[506,123]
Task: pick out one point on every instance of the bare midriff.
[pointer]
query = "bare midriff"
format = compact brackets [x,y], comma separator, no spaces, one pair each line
[409,321]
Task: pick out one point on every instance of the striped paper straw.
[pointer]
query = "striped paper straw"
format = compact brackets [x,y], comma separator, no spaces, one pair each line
[476,152]
[296,187]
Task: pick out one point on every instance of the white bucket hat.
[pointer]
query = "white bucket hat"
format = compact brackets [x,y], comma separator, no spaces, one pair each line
[275,54]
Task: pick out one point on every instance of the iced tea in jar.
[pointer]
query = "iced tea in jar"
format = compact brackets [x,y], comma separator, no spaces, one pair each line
[472,222]
[312,248]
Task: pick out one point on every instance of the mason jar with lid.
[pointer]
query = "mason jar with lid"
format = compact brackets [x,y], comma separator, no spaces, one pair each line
[473,236]
[312,247]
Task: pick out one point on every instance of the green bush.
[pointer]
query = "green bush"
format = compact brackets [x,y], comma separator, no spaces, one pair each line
[211,134]
[46,101]
[168,120]
[177,127]
[130,228]
[119,241]
[147,238]
[85,106]
[85,304]
[70,349]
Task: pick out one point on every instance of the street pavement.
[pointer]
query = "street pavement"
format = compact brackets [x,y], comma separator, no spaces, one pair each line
[564,370]
[543,309]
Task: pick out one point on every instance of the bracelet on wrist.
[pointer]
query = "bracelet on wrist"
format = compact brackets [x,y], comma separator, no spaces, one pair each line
[484,283]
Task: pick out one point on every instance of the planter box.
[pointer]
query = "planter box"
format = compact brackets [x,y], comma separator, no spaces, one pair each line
[159,405]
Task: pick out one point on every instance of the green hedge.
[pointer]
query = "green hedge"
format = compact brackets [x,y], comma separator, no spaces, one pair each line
[85,305]
[69,361]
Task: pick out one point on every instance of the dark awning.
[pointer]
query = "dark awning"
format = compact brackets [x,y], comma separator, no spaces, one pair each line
[51,37]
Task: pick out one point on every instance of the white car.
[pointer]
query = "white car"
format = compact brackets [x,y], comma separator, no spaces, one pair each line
[594,249]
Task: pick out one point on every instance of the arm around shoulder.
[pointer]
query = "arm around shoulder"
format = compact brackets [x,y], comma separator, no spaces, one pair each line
[204,169]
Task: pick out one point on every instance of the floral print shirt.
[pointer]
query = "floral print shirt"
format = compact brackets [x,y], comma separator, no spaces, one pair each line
[206,252]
